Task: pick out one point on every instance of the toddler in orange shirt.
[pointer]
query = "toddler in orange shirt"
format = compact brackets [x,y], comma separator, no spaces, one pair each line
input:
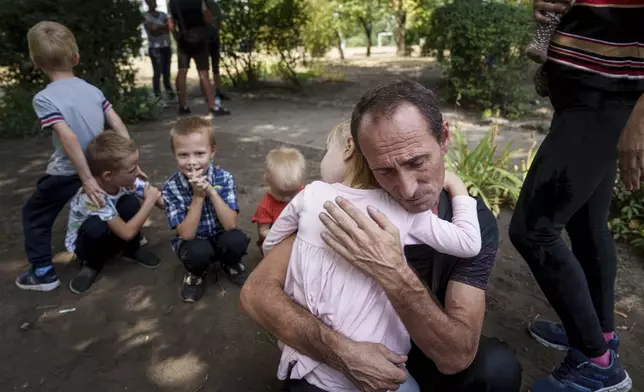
[285,170]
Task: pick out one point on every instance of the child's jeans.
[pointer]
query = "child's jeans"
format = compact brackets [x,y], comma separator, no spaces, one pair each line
[228,247]
[39,213]
[96,243]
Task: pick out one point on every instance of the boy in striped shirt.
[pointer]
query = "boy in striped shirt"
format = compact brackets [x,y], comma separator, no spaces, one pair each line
[75,112]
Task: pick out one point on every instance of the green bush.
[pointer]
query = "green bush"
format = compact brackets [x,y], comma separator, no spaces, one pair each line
[254,27]
[480,46]
[108,37]
[627,221]
[138,104]
[487,172]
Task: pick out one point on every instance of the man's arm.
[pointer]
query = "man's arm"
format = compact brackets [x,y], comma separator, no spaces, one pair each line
[448,336]
[370,366]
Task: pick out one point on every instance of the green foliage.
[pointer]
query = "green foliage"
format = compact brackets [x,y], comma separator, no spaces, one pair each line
[481,48]
[108,37]
[627,222]
[320,33]
[137,105]
[487,172]
[254,27]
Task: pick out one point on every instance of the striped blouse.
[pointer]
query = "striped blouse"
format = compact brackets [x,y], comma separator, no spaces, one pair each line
[604,39]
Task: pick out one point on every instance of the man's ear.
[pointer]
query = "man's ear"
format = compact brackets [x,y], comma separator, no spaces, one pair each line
[445,136]
[349,149]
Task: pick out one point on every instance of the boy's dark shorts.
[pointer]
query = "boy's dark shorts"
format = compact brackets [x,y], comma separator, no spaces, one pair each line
[200,55]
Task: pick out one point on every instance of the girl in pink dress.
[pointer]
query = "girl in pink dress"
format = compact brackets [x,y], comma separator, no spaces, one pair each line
[337,293]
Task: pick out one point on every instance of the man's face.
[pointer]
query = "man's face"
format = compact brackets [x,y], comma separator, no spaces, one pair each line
[405,157]
[152,4]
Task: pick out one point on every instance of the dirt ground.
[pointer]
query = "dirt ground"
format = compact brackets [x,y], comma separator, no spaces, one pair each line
[132,332]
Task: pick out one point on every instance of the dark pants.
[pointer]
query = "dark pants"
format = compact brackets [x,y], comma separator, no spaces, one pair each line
[39,213]
[228,247]
[570,185]
[160,58]
[495,369]
[96,243]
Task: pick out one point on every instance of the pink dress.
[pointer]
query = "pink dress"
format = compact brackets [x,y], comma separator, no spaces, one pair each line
[337,293]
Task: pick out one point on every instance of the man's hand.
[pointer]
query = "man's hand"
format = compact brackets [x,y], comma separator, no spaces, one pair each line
[542,7]
[94,192]
[371,244]
[373,367]
[631,150]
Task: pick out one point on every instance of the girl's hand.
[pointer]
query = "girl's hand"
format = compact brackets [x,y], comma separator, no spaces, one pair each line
[454,185]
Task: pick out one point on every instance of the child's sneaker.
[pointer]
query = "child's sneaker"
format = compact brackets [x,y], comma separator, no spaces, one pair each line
[236,274]
[144,257]
[193,288]
[38,279]
[83,281]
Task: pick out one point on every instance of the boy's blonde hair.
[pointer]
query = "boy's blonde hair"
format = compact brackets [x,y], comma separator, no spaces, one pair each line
[106,151]
[52,46]
[358,173]
[194,124]
[285,168]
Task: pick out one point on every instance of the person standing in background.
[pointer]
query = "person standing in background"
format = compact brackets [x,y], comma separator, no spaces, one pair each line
[215,46]
[156,28]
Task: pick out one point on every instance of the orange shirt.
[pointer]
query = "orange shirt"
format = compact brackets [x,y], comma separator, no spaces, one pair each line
[268,210]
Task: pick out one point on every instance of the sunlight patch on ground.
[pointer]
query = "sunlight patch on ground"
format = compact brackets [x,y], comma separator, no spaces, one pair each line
[177,371]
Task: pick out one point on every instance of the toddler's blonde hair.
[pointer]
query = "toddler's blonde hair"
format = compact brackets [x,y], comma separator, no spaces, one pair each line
[52,46]
[285,168]
[358,174]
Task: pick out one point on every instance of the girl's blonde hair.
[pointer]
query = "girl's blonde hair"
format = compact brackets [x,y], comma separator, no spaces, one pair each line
[358,174]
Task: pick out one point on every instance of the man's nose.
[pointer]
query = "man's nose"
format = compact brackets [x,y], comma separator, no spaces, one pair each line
[407,185]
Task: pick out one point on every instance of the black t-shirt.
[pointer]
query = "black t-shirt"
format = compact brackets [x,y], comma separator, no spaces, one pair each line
[191,13]
[437,269]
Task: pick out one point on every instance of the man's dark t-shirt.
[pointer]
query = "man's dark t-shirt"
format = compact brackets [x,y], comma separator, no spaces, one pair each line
[191,13]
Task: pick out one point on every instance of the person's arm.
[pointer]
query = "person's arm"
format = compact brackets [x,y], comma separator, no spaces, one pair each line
[114,122]
[224,201]
[128,230]
[262,231]
[448,336]
[207,14]
[368,365]
[631,148]
[287,223]
[187,229]
[461,237]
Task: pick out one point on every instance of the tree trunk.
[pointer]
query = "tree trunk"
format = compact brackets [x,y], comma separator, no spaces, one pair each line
[367,30]
[340,50]
[399,34]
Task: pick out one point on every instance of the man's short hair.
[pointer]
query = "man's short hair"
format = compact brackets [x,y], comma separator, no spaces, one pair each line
[107,151]
[384,100]
[285,168]
[52,46]
[193,124]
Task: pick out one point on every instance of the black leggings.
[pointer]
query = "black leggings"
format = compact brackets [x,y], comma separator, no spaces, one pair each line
[570,185]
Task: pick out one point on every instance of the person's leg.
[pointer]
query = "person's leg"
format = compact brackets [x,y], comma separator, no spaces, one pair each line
[196,256]
[569,167]
[230,246]
[214,60]
[495,368]
[201,61]
[128,206]
[166,61]
[182,74]
[155,58]
[38,215]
